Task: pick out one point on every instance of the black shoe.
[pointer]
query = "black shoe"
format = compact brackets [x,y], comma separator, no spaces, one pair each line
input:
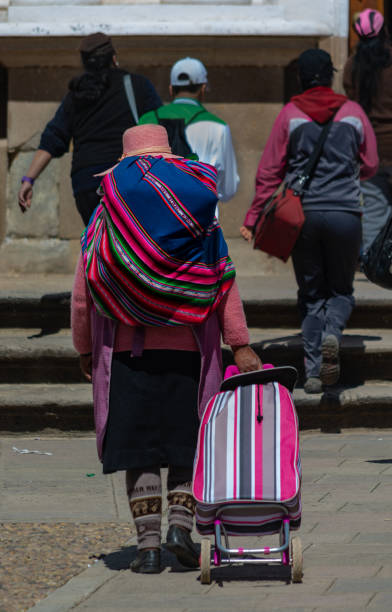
[147,562]
[179,542]
[313,385]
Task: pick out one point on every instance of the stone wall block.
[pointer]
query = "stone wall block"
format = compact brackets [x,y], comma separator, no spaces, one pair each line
[32,256]
[338,49]
[32,143]
[70,222]
[251,262]
[250,125]
[26,120]
[42,220]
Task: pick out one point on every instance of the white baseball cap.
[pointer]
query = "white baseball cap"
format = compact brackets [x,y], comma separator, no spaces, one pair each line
[188,71]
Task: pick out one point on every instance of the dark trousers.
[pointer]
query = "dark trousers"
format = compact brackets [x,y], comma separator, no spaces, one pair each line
[325,257]
[86,203]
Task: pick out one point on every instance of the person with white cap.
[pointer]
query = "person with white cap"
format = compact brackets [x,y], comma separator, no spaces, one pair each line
[368,80]
[195,129]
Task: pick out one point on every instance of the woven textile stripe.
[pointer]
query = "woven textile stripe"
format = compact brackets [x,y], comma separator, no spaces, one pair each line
[248,447]
[154,254]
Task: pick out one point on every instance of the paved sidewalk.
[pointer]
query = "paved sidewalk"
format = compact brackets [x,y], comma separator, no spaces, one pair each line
[346,531]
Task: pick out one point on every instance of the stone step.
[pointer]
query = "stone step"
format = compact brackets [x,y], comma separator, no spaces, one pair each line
[284,313]
[51,312]
[35,407]
[47,311]
[270,301]
[30,356]
[366,354]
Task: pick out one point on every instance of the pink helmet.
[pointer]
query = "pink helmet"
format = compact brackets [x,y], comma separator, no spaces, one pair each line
[369,23]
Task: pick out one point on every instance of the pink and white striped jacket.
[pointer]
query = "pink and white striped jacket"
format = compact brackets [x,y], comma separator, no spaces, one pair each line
[350,153]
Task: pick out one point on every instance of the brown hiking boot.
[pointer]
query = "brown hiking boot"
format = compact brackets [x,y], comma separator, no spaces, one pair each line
[330,365]
[313,385]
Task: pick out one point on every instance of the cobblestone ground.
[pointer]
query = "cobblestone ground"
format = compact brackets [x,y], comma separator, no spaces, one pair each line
[49,506]
[37,558]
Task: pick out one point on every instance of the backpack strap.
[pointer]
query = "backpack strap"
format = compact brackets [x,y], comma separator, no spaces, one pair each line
[129,92]
[307,173]
[192,119]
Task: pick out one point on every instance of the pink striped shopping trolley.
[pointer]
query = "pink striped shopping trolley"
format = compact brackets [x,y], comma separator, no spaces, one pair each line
[247,473]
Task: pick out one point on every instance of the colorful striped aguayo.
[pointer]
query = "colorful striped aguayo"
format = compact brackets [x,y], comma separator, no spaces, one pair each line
[154,253]
[248,451]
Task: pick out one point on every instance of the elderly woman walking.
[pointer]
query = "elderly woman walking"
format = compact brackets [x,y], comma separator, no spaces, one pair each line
[148,330]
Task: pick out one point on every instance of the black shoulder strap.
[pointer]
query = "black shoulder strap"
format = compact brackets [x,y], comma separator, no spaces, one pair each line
[129,92]
[200,112]
[310,167]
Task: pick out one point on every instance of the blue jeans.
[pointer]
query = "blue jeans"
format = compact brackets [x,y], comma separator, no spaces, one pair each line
[325,258]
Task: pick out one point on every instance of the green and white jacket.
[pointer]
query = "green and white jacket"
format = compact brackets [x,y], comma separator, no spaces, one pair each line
[208,136]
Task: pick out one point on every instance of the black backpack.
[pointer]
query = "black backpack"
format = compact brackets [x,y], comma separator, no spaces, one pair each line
[377,261]
[176,132]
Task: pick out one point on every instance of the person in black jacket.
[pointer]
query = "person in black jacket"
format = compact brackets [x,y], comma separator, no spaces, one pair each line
[94,114]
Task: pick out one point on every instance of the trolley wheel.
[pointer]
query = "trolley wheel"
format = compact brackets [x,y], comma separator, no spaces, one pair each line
[205,561]
[296,560]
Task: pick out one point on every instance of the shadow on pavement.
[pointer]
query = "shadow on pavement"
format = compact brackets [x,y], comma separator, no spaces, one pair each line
[121,559]
[250,573]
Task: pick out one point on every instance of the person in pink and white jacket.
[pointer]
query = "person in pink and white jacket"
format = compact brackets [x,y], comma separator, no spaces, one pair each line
[326,253]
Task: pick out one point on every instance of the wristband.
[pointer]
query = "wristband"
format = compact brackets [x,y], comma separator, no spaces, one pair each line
[28,179]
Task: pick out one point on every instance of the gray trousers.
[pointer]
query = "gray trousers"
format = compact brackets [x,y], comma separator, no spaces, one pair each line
[377,201]
[325,258]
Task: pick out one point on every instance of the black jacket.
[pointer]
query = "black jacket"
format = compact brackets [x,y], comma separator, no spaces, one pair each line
[96,129]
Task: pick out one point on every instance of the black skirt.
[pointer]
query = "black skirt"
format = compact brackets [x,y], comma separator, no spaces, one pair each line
[153,414]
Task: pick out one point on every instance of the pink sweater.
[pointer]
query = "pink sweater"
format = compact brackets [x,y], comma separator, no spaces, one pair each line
[230,312]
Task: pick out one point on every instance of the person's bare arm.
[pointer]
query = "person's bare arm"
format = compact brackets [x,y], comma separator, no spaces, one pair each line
[247,233]
[246,359]
[86,366]
[38,164]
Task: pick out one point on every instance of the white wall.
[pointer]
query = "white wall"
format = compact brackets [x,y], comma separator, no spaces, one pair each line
[122,17]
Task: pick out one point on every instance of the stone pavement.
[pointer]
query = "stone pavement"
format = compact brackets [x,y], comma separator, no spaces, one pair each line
[346,531]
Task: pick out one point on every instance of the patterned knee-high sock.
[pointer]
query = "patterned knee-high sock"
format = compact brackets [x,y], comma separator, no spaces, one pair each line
[144,491]
[181,501]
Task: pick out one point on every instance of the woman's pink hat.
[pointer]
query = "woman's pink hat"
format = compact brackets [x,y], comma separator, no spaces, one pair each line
[369,23]
[147,139]
[144,139]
